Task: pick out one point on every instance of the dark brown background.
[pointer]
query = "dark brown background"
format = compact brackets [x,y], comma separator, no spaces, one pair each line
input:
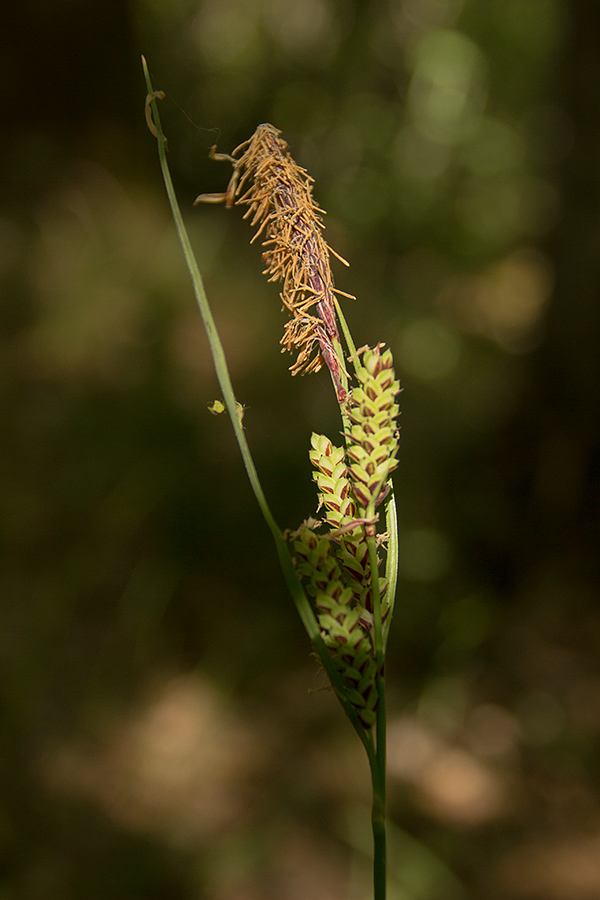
[163,732]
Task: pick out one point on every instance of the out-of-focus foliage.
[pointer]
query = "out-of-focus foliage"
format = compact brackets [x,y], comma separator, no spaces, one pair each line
[163,732]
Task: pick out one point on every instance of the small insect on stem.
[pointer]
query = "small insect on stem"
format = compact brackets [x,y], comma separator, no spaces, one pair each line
[217,407]
[278,194]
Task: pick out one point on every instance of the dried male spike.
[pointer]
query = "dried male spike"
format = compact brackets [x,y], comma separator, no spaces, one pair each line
[278,194]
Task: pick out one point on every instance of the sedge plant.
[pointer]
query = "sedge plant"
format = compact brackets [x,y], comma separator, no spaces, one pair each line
[340,569]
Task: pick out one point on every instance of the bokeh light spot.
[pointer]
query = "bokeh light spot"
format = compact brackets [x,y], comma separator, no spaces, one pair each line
[418,156]
[496,209]
[431,13]
[492,731]
[506,301]
[496,147]
[225,30]
[448,88]
[304,27]
[428,349]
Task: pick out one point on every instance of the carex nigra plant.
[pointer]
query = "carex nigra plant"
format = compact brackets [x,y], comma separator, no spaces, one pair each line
[340,568]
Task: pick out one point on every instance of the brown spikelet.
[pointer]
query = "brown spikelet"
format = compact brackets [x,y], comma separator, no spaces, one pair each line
[279,197]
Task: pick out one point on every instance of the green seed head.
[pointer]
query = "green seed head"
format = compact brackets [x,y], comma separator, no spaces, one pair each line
[373,436]
[336,567]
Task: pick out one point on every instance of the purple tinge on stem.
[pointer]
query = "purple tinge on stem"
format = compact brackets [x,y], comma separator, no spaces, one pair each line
[332,362]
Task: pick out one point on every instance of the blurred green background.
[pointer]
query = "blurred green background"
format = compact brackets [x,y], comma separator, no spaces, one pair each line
[164,731]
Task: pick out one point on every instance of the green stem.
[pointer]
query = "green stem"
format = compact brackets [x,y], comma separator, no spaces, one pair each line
[378,809]
[346,332]
[378,766]
[391,563]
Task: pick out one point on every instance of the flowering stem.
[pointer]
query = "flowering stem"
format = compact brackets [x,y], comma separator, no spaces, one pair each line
[280,196]
[294,586]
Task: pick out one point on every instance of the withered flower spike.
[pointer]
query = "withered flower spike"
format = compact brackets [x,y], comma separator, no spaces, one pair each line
[278,193]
